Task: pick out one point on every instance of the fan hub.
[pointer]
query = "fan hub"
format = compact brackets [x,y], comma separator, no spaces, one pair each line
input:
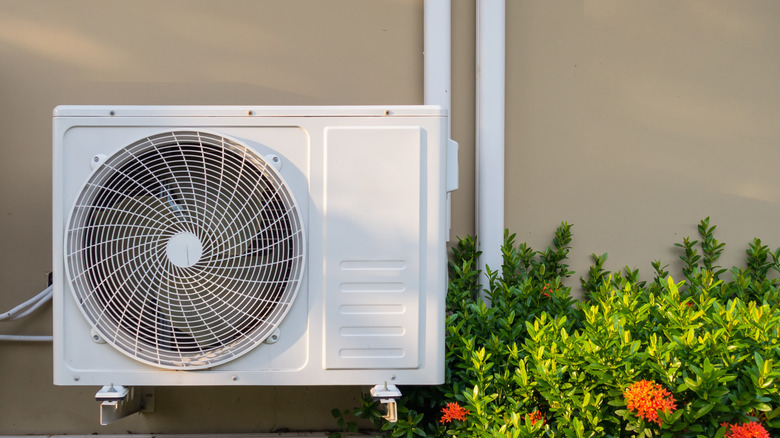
[184,249]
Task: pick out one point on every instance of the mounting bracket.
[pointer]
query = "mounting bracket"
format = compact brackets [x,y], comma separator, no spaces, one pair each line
[387,395]
[118,402]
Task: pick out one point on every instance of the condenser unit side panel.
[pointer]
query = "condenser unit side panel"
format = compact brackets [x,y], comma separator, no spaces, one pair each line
[436,260]
[374,194]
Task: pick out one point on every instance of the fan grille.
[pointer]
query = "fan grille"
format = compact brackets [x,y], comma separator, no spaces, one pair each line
[185,250]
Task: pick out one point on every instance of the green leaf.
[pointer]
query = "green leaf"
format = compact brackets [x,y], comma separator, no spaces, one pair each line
[773,414]
[763,407]
[672,285]
[759,360]
[704,410]
[676,416]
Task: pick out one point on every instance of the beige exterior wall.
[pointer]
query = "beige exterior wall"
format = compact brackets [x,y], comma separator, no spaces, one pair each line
[631,120]
[635,120]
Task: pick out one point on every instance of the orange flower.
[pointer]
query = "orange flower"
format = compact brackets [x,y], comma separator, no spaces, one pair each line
[745,430]
[453,411]
[534,416]
[646,398]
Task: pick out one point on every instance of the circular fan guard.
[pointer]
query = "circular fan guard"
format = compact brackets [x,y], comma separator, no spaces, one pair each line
[185,250]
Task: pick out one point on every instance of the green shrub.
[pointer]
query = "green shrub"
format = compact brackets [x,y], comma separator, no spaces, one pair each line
[524,359]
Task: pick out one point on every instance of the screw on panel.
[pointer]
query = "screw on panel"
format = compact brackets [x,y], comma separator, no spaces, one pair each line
[235,378]
[273,337]
[274,160]
[250,112]
[111,113]
[96,161]
[96,337]
[76,378]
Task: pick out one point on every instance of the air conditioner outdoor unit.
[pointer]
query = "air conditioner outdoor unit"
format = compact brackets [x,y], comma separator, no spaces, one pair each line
[250,245]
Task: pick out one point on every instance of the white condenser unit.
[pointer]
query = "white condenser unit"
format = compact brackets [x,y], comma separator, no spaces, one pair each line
[226,245]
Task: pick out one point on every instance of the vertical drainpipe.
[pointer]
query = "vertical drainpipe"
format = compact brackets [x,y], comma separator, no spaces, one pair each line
[436,40]
[437,79]
[490,75]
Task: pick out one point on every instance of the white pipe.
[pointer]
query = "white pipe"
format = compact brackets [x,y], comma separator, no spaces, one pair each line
[436,48]
[25,338]
[491,53]
[31,304]
[437,64]
[34,307]
[21,311]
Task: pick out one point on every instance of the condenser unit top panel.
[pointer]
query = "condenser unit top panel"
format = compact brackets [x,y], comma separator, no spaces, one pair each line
[258,111]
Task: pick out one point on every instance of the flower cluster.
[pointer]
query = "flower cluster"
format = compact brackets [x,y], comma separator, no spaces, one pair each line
[453,411]
[646,398]
[745,430]
[534,416]
[546,290]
